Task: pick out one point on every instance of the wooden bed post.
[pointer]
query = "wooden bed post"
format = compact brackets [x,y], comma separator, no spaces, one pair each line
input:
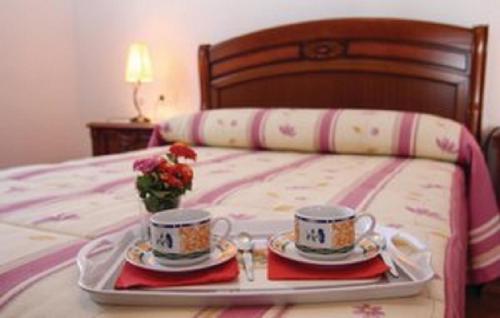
[478,75]
[204,69]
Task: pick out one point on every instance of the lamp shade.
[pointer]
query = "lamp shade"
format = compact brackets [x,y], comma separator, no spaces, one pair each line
[139,67]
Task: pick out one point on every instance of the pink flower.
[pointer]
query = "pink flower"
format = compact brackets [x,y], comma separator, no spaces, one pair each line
[446,145]
[148,164]
[288,130]
[368,311]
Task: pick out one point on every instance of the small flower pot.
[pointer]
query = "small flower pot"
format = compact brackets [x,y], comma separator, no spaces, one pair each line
[147,213]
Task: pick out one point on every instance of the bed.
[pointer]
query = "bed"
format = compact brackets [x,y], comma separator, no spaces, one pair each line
[372,67]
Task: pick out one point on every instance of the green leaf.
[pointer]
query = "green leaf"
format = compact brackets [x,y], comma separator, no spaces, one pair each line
[152,203]
[144,183]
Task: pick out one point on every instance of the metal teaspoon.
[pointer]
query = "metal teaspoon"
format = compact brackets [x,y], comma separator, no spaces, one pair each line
[245,245]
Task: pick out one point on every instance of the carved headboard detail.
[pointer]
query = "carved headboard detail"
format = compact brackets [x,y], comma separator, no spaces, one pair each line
[351,63]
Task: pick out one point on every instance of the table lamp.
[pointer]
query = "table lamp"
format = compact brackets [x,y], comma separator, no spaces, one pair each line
[139,70]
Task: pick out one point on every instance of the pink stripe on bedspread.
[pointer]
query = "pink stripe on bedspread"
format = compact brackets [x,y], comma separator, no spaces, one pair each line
[482,210]
[388,176]
[59,168]
[26,203]
[15,280]
[13,277]
[455,265]
[355,197]
[483,244]
[222,191]
[102,188]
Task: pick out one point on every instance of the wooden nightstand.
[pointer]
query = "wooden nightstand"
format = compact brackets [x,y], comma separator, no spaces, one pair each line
[116,137]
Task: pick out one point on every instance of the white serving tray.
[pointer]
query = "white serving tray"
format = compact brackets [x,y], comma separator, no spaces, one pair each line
[100,262]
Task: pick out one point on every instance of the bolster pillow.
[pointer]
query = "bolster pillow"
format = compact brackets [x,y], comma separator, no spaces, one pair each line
[343,131]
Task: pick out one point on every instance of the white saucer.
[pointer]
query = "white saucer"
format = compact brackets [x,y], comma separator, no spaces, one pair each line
[140,254]
[283,244]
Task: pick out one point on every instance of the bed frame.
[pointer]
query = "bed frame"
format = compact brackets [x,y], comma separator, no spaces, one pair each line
[351,63]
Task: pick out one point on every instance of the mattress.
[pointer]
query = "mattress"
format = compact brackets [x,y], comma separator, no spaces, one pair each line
[48,212]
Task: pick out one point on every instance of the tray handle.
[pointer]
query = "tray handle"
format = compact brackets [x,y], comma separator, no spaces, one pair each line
[419,263]
[88,267]
[95,247]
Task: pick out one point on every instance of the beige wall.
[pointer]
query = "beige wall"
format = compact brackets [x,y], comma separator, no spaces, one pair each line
[38,103]
[96,37]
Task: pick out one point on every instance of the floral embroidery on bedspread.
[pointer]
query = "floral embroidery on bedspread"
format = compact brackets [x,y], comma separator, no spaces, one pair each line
[368,311]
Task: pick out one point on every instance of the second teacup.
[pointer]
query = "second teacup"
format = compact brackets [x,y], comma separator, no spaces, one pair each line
[183,236]
[329,232]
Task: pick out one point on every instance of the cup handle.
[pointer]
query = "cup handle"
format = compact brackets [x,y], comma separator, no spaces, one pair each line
[228,228]
[369,230]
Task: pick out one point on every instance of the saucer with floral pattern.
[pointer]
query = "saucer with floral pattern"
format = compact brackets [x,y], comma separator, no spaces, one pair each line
[283,244]
[140,254]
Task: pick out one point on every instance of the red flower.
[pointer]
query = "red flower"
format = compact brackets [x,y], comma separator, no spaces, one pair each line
[184,172]
[181,150]
[168,175]
[175,175]
[166,168]
[171,180]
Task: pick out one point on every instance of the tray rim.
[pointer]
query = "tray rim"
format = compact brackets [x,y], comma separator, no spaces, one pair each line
[192,296]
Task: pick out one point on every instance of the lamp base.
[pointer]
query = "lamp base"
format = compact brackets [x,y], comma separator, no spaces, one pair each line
[140,119]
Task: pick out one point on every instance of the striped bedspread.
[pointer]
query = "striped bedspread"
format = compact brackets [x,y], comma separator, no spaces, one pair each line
[48,212]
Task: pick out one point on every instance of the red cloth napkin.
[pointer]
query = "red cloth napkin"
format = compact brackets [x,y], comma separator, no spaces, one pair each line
[279,268]
[135,277]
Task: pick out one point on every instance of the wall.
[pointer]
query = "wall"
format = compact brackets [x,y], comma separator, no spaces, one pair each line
[175,28]
[39,121]
[64,62]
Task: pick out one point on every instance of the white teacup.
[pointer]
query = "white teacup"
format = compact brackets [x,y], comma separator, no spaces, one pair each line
[183,236]
[330,232]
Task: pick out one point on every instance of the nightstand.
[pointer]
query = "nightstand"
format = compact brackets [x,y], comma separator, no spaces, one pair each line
[117,137]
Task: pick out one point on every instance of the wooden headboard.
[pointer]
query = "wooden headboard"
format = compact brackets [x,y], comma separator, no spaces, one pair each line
[351,63]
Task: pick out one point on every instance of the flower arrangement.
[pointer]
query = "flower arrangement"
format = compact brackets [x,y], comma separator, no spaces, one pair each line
[163,179]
